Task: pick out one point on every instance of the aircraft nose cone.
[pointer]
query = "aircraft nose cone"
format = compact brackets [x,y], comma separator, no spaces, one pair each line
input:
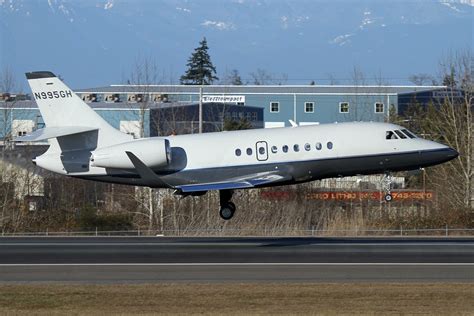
[452,153]
[447,155]
[438,156]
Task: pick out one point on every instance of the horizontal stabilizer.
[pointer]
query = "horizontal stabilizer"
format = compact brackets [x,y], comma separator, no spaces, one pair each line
[53,132]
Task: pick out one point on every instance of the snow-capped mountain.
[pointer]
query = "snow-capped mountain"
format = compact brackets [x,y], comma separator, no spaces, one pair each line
[97,42]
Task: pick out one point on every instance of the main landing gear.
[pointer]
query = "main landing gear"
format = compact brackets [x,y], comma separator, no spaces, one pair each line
[387,186]
[227,207]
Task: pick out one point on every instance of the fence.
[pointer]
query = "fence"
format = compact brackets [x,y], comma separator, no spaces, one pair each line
[218,232]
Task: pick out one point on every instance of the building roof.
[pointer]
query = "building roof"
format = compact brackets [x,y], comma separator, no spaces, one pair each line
[28,104]
[248,89]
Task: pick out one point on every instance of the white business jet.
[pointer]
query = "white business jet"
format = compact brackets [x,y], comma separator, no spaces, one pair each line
[84,145]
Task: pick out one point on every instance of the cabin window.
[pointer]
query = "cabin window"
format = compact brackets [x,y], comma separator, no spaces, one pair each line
[238,152]
[285,148]
[344,107]
[274,149]
[400,134]
[307,147]
[319,146]
[309,107]
[329,144]
[249,151]
[261,150]
[379,107]
[390,135]
[408,133]
[274,107]
[296,147]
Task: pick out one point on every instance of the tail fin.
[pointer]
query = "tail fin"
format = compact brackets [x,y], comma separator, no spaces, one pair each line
[61,108]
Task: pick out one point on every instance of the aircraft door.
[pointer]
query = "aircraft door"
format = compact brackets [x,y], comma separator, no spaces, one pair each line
[262,151]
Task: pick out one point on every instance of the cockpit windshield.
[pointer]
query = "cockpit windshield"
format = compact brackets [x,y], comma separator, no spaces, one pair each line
[399,134]
[408,133]
[390,135]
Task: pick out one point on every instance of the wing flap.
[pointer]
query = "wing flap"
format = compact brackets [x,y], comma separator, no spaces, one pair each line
[242,183]
[53,132]
[213,186]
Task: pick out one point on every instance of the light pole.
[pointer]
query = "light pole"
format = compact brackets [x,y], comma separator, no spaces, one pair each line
[200,109]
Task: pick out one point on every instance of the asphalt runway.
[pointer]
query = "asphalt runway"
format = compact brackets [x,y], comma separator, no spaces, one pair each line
[164,259]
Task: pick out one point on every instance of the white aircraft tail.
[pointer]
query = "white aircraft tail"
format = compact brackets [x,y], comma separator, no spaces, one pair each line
[69,118]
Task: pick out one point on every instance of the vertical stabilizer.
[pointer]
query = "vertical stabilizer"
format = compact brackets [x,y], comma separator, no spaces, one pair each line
[61,107]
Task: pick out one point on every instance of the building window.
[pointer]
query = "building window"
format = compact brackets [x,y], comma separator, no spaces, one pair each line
[344,107]
[274,107]
[309,107]
[379,108]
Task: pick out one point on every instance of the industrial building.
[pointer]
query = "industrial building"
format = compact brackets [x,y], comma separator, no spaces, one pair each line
[164,110]
[147,110]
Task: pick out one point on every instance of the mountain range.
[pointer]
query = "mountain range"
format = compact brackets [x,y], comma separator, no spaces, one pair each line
[100,42]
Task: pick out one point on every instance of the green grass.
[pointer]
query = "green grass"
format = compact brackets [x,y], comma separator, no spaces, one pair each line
[238,299]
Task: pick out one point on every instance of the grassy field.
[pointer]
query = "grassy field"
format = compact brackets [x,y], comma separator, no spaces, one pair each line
[217,299]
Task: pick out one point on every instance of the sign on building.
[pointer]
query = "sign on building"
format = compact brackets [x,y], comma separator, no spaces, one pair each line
[223,98]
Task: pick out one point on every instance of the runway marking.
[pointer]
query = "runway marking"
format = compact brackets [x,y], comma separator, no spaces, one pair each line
[467,244]
[205,264]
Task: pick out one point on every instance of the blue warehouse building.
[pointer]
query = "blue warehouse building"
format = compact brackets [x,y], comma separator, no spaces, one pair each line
[145,110]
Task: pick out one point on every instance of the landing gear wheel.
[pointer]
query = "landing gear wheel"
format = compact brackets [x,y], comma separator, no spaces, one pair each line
[388,197]
[232,206]
[227,207]
[227,211]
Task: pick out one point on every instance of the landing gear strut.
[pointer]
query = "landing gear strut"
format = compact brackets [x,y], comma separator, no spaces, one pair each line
[227,207]
[387,186]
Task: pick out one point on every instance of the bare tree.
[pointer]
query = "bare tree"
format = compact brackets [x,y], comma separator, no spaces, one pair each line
[7,88]
[262,77]
[332,80]
[449,120]
[421,79]
[232,78]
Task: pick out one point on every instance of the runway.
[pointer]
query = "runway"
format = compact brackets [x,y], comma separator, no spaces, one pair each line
[163,259]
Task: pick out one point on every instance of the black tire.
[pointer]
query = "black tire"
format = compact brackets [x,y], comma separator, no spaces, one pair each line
[227,212]
[388,197]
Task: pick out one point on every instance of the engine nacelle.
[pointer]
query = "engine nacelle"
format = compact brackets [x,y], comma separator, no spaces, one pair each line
[154,153]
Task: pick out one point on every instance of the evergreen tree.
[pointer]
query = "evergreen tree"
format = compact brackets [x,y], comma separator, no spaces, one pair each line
[200,70]
[449,80]
[231,125]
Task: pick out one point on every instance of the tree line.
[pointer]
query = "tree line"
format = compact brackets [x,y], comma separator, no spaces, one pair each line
[73,204]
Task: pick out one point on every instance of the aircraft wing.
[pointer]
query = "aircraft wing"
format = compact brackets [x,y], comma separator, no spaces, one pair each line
[52,132]
[256,180]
